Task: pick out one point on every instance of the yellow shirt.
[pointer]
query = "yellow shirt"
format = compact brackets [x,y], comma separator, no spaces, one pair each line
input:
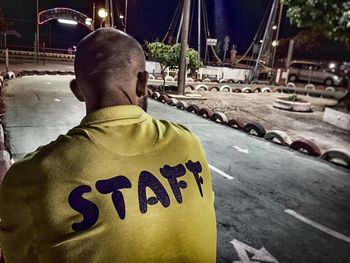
[120,187]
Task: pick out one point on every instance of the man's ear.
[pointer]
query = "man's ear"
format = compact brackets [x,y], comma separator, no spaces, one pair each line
[76,91]
[141,86]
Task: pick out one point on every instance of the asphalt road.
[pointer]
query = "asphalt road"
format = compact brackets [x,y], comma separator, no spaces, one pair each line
[296,207]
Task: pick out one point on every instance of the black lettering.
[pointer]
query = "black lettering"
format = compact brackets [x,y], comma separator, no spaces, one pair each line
[147,179]
[83,206]
[196,169]
[172,173]
[113,186]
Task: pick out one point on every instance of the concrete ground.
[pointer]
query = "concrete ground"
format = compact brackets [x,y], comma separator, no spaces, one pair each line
[257,107]
[295,207]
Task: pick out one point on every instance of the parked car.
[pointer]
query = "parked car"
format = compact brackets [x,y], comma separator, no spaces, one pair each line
[313,72]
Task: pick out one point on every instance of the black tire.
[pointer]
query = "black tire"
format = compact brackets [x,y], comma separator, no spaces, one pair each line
[205,112]
[293,78]
[306,147]
[236,124]
[219,117]
[193,108]
[328,82]
[256,127]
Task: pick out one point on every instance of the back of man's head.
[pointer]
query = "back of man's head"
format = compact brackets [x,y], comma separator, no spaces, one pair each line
[109,64]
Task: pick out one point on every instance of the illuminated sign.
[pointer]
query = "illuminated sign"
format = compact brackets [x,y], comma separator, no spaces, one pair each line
[65,14]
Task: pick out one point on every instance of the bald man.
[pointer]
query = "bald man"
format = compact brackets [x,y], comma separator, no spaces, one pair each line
[120,187]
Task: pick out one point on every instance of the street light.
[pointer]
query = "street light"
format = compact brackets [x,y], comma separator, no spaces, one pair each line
[274,27]
[275,43]
[102,13]
[121,17]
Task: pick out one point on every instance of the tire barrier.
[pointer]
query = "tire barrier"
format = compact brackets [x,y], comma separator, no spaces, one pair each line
[149,92]
[236,90]
[59,72]
[205,112]
[310,86]
[10,75]
[331,89]
[201,87]
[163,98]
[219,117]
[279,90]
[152,87]
[172,102]
[18,74]
[214,88]
[206,80]
[256,90]
[189,80]
[306,147]
[278,137]
[41,73]
[291,85]
[240,82]
[190,87]
[223,81]
[247,90]
[236,124]
[169,78]
[266,90]
[225,88]
[150,76]
[255,129]
[28,72]
[156,95]
[338,157]
[193,108]
[232,81]
[159,78]
[182,105]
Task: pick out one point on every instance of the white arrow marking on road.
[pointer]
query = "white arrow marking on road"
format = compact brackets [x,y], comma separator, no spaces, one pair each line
[318,226]
[259,255]
[221,172]
[239,149]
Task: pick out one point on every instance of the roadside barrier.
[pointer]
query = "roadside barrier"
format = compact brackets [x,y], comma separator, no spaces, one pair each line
[307,147]
[193,108]
[236,124]
[255,128]
[278,137]
[219,117]
[205,112]
[337,156]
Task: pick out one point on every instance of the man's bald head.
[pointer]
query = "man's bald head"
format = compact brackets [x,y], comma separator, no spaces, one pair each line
[109,65]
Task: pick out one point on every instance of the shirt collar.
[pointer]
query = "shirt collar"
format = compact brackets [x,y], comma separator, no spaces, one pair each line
[125,114]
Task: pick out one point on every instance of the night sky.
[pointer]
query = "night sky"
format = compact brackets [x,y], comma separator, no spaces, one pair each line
[149,20]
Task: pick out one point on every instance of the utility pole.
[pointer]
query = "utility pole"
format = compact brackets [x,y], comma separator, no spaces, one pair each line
[199,26]
[37,40]
[183,52]
[266,36]
[126,14]
[111,12]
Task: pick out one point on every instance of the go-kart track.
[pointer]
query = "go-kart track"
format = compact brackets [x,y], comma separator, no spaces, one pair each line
[272,204]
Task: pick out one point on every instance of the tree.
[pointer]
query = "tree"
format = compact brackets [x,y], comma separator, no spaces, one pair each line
[330,16]
[306,41]
[169,56]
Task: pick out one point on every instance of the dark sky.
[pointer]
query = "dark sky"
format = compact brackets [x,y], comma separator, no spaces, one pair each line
[149,20]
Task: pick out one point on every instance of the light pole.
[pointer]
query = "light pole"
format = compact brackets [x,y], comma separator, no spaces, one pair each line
[126,13]
[37,39]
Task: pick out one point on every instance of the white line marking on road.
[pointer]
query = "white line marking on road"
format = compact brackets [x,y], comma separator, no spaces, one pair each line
[318,226]
[259,255]
[57,100]
[221,172]
[239,149]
